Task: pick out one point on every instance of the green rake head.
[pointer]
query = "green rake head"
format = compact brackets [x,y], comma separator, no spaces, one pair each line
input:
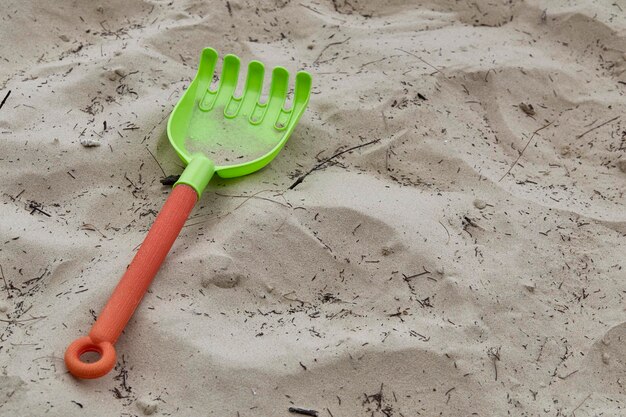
[218,130]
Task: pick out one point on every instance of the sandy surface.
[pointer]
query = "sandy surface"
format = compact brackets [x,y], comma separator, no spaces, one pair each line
[459,265]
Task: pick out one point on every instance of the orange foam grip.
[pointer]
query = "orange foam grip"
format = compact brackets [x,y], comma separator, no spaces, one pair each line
[132,287]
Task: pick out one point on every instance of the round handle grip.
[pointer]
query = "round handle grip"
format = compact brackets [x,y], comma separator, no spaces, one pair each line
[81,369]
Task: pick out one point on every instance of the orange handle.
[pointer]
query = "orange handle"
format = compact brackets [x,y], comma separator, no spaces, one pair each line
[131,288]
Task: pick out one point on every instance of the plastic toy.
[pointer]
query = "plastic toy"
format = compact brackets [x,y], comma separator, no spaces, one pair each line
[213,132]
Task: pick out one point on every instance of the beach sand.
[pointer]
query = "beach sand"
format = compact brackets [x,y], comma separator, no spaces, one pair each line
[467,260]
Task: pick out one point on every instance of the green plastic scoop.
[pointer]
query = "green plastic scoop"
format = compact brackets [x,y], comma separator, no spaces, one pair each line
[213,131]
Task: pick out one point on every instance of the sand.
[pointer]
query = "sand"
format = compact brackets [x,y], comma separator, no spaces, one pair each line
[468,261]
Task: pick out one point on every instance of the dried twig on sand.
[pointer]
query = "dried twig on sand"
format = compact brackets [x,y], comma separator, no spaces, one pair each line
[328,46]
[325,161]
[597,127]
[303,411]
[424,61]
[523,150]
[5,99]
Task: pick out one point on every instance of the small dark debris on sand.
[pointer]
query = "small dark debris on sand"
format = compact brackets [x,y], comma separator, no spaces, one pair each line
[170,179]
[303,411]
[5,99]
[527,108]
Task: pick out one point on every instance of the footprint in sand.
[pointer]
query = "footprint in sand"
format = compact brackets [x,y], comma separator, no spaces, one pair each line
[147,405]
[223,274]
[9,386]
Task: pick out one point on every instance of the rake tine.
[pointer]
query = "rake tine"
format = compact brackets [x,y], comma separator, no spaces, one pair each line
[253,88]
[228,80]
[278,94]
